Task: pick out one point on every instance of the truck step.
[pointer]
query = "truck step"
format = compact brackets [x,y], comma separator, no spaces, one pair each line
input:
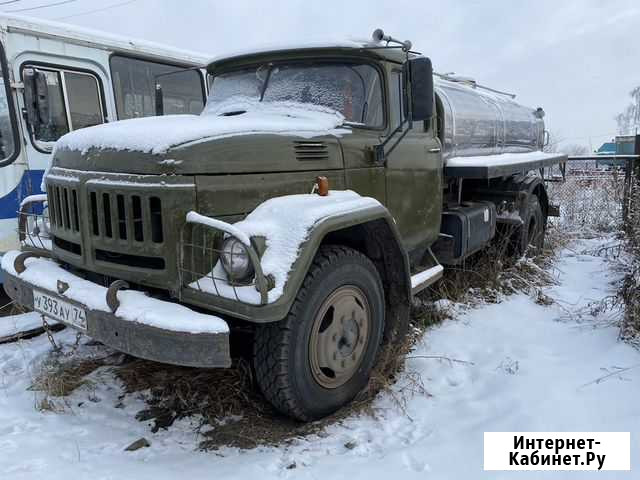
[423,279]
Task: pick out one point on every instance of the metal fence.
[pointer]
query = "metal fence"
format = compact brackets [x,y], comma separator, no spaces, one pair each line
[593,191]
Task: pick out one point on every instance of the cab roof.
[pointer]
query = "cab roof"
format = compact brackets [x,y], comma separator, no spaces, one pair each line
[363,48]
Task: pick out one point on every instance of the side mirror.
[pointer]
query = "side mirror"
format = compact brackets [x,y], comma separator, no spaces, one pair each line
[36,95]
[420,77]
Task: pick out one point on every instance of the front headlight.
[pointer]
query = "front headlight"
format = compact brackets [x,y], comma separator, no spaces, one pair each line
[235,260]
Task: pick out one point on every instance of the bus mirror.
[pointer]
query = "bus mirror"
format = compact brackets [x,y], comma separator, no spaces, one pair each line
[30,98]
[36,93]
[421,80]
[42,102]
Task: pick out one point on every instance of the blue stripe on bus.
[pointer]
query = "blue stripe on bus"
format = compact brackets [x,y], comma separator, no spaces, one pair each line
[29,185]
[10,203]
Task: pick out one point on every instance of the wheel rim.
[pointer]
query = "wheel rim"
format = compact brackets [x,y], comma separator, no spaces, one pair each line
[339,336]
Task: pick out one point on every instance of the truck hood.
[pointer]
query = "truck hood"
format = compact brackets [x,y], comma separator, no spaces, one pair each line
[234,138]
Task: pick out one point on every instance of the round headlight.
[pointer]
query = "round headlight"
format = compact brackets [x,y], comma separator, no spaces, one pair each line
[235,260]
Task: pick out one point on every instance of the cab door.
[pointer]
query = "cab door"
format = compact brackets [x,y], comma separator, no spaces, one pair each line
[413,176]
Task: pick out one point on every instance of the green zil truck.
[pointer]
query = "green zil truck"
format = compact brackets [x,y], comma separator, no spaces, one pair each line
[322,187]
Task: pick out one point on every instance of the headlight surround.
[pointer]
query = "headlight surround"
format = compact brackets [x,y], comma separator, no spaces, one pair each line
[235,260]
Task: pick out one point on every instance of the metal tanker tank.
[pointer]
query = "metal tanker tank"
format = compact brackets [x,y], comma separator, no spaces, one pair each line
[476,120]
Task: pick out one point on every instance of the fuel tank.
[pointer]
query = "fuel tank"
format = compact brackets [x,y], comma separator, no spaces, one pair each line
[477,121]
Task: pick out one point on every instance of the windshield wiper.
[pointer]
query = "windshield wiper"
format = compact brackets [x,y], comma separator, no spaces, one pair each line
[365,109]
[266,82]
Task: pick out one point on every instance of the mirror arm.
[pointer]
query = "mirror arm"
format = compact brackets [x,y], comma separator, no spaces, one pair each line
[399,139]
[380,155]
[159,100]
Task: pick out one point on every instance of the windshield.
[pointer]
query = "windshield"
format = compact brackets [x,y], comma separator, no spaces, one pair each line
[352,89]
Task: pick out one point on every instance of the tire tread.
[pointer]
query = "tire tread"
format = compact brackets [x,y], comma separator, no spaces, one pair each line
[272,341]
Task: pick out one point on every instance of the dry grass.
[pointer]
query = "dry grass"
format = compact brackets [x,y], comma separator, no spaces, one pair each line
[226,399]
[8,307]
[231,409]
[492,274]
[61,374]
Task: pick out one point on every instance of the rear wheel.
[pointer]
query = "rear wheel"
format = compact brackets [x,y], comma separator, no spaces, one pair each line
[321,355]
[530,237]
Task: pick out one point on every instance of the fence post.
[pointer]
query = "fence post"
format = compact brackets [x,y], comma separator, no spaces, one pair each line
[636,161]
[633,168]
[627,190]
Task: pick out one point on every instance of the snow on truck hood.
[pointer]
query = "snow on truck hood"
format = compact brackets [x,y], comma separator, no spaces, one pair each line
[157,135]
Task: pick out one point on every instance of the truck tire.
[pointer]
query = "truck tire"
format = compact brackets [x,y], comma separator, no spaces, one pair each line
[321,355]
[530,237]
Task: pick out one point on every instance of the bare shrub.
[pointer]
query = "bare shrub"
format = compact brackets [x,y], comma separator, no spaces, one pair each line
[630,291]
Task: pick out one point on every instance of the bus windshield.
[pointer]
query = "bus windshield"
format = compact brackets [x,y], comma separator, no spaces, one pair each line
[352,89]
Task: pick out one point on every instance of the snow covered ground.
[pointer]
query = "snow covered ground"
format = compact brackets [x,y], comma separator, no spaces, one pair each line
[523,367]
[18,323]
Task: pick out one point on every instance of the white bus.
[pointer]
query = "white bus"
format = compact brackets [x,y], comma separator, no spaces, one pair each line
[57,78]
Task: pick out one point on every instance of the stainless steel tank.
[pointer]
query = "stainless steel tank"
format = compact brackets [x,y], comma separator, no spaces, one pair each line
[478,121]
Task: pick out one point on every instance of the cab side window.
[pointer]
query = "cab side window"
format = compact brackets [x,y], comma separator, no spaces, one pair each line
[58,101]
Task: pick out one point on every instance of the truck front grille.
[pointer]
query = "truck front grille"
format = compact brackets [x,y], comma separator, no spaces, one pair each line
[64,208]
[126,217]
[120,225]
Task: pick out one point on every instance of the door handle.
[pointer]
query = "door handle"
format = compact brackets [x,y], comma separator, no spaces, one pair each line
[434,150]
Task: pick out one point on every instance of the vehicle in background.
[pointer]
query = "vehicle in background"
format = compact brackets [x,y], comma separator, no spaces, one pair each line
[57,78]
[408,171]
[620,145]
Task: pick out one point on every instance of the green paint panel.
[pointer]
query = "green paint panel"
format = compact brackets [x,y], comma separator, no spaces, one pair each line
[239,194]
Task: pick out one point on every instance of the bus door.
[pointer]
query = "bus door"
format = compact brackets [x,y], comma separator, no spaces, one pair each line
[58,97]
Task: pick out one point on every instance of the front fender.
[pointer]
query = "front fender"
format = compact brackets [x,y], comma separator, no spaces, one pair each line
[279,308]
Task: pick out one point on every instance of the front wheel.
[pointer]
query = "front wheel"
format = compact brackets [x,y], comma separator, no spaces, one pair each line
[321,355]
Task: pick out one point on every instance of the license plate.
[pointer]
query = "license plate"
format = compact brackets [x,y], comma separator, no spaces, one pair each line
[59,310]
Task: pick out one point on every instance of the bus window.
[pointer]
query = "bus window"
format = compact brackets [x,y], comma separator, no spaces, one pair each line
[85,109]
[134,82]
[7,132]
[60,101]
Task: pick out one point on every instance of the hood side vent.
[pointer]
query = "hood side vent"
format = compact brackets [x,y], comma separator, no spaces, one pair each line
[306,151]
